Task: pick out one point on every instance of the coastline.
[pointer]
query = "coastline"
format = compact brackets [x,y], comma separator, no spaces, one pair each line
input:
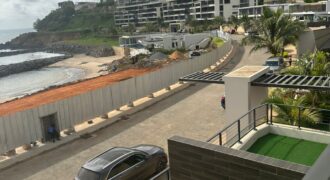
[93,66]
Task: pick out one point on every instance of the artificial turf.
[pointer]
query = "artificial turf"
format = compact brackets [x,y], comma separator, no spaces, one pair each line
[290,149]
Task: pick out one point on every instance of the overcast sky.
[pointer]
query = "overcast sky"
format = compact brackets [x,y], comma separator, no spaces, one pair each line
[17,14]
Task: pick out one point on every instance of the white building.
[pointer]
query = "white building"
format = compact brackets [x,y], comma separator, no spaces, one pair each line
[307,12]
[175,11]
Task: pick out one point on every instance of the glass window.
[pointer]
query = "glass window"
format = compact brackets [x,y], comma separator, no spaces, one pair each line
[272,63]
[128,163]
[227,1]
[85,174]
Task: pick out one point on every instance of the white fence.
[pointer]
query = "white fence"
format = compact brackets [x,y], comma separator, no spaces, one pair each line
[25,127]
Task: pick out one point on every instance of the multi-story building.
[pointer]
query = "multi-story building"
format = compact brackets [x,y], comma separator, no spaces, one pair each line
[175,11]
[137,12]
[307,12]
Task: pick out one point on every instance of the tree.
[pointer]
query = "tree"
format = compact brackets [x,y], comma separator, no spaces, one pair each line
[218,21]
[246,22]
[286,108]
[276,30]
[314,64]
[234,21]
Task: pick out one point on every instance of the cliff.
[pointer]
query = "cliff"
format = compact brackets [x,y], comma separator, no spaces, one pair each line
[38,40]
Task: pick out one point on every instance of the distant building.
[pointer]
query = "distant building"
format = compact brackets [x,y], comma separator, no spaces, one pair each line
[307,12]
[139,12]
[65,4]
[85,5]
[167,41]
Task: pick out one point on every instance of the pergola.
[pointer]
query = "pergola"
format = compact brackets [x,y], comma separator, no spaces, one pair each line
[267,80]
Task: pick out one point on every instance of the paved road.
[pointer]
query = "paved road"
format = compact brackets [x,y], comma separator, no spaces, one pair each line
[194,112]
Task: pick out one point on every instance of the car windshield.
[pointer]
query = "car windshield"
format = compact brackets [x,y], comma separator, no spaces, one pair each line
[271,63]
[85,174]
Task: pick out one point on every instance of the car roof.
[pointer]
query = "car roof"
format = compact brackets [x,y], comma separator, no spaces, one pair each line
[104,160]
[274,59]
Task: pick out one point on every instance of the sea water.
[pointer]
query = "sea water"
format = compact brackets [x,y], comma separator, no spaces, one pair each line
[6,60]
[19,85]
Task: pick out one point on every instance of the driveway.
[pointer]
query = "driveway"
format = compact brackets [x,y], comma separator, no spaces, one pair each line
[194,112]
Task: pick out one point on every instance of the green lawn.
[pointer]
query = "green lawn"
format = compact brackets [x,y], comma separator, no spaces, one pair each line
[218,41]
[289,149]
[94,41]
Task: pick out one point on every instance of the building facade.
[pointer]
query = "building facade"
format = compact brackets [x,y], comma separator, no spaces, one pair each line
[307,12]
[139,12]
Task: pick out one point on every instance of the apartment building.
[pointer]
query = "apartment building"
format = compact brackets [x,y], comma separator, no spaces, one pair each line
[140,12]
[307,12]
[137,12]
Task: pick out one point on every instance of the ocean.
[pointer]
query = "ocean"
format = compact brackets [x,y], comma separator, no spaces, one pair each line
[25,83]
[9,34]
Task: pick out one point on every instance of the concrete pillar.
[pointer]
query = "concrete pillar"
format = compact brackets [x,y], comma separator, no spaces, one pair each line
[240,95]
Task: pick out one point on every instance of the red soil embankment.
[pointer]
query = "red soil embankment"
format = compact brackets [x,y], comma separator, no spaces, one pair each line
[64,92]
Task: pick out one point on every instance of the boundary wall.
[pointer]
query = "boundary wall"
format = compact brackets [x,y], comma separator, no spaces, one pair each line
[21,128]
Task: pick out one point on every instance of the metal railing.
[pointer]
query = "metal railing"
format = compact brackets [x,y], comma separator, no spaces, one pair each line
[163,175]
[265,113]
[235,131]
[271,113]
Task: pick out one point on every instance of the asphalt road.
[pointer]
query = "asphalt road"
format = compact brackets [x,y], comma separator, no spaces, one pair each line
[194,112]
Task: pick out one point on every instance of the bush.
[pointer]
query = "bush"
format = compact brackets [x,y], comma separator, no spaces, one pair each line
[285,54]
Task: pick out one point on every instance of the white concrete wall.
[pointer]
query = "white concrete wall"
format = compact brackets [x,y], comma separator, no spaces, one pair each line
[194,39]
[306,43]
[320,169]
[24,127]
[240,95]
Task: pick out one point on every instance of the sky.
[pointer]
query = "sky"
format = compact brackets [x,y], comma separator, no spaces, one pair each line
[20,14]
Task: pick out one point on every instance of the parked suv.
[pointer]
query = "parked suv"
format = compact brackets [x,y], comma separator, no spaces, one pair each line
[275,63]
[140,162]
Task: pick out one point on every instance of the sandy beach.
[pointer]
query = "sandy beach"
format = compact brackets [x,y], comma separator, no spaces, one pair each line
[92,66]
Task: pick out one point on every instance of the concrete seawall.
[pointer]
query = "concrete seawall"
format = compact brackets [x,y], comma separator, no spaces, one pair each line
[6,70]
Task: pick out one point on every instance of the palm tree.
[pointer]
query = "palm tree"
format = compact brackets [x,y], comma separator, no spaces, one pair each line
[246,22]
[286,108]
[275,31]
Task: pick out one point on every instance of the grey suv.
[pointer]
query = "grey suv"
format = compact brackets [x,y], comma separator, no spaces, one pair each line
[140,162]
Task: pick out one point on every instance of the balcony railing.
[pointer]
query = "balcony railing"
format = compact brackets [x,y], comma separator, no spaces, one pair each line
[272,113]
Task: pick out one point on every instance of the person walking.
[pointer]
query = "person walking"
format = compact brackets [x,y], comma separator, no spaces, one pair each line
[223,102]
[290,61]
[53,133]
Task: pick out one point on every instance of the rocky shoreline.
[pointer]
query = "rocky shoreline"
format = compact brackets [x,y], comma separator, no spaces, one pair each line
[6,70]
[94,51]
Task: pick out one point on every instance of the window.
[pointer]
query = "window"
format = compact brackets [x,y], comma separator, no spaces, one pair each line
[227,1]
[126,164]
[85,174]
